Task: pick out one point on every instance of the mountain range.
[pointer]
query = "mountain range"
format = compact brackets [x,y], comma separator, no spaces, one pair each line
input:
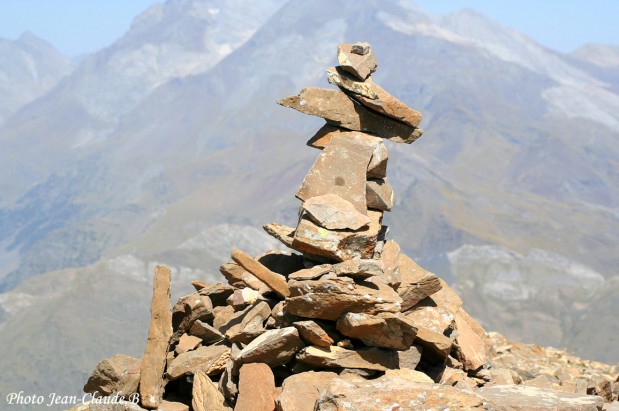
[168,147]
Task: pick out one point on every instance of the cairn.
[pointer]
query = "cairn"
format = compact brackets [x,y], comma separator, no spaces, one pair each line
[348,319]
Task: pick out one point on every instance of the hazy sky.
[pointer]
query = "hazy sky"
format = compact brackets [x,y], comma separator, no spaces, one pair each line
[83,26]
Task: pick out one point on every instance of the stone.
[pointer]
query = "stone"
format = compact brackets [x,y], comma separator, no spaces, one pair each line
[361,48]
[337,357]
[390,259]
[359,268]
[172,406]
[339,245]
[118,374]
[281,232]
[205,396]
[386,330]
[438,311]
[198,285]
[206,332]
[377,168]
[543,381]
[330,298]
[340,110]
[273,347]
[313,333]
[409,375]
[410,358]
[312,273]
[359,65]
[218,293]
[233,273]
[334,213]
[187,343]
[432,342]
[242,297]
[159,335]
[301,391]
[274,281]
[614,406]
[280,317]
[469,345]
[340,169]
[503,376]
[188,310]
[251,326]
[387,105]
[379,194]
[228,382]
[389,393]
[256,388]
[344,80]
[416,284]
[520,397]
[210,360]
[222,315]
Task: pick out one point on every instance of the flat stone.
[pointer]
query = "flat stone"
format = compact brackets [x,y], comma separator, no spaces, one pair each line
[251,326]
[187,343]
[273,347]
[469,344]
[238,277]
[435,343]
[172,406]
[340,169]
[242,297]
[386,330]
[334,213]
[438,311]
[205,396]
[390,259]
[274,281]
[330,298]
[361,48]
[301,391]
[159,334]
[377,168]
[337,357]
[313,333]
[339,245]
[359,65]
[359,268]
[410,358]
[206,332]
[457,378]
[390,393]
[379,194]
[312,273]
[281,232]
[210,360]
[387,105]
[339,110]
[344,80]
[218,293]
[520,397]
[188,310]
[416,284]
[118,374]
[256,388]
[198,285]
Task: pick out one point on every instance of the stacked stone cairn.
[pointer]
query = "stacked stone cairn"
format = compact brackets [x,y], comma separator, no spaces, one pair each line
[347,323]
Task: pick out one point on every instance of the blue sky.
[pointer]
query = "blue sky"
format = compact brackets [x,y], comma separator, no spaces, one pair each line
[78,27]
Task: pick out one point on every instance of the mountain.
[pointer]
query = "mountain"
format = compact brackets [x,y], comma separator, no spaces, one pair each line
[29,67]
[162,147]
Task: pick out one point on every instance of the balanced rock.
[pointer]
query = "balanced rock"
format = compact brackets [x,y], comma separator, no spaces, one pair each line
[334,213]
[339,77]
[359,65]
[281,232]
[361,47]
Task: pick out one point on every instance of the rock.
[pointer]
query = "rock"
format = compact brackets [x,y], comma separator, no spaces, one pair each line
[387,105]
[390,258]
[337,245]
[222,315]
[273,280]
[416,284]
[206,332]
[359,268]
[377,168]
[273,347]
[313,333]
[379,194]
[361,48]
[334,213]
[395,394]
[312,273]
[543,381]
[409,358]
[256,388]
[280,317]
[233,273]
[340,169]
[409,375]
[198,285]
[281,232]
[118,374]
[613,407]
[330,298]
[339,110]
[469,342]
[300,391]
[187,343]
[338,357]
[503,376]
[172,406]
[159,335]
[359,65]
[339,77]
[205,396]
[519,397]
[228,382]
[438,311]
[386,330]
[243,297]
[252,324]
[210,360]
[188,310]
[218,293]
[433,342]
[457,378]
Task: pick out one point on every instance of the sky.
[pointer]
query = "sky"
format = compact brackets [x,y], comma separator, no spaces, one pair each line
[78,27]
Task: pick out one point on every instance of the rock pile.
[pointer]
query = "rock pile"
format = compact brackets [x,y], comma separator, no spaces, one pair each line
[349,322]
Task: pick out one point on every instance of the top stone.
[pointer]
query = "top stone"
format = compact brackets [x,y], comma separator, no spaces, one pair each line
[359,65]
[361,48]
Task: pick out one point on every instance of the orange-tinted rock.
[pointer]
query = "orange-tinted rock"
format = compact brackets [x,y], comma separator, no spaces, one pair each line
[386,330]
[334,213]
[390,258]
[172,406]
[522,398]
[251,325]
[281,232]
[205,396]
[118,374]
[345,81]
[274,281]
[313,334]
[273,347]
[338,357]
[469,343]
[300,391]
[206,332]
[210,360]
[416,284]
[360,66]
[256,388]
[379,194]
[187,343]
